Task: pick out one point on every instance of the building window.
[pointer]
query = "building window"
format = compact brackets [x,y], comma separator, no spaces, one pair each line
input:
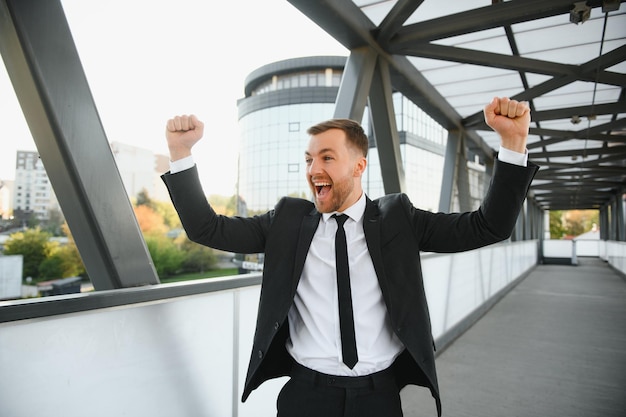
[294,126]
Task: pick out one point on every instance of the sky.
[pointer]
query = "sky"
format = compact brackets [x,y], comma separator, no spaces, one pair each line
[149,60]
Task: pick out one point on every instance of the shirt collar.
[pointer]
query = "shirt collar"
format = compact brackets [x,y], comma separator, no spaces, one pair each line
[355,211]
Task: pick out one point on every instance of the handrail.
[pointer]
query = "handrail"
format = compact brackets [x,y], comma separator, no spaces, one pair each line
[14,310]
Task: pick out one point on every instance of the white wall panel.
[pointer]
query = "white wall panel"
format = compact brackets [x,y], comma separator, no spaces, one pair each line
[558,248]
[165,359]
[458,284]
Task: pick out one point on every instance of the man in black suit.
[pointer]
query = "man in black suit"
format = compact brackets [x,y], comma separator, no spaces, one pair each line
[388,342]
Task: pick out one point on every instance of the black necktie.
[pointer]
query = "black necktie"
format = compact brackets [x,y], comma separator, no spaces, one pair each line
[346,320]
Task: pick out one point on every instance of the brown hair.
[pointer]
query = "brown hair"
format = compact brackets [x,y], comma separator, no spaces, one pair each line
[353,130]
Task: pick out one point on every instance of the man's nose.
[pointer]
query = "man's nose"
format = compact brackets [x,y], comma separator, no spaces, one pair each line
[313,168]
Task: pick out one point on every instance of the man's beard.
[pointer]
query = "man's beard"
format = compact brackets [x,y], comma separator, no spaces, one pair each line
[340,190]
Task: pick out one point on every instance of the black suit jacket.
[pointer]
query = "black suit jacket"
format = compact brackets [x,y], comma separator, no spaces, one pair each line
[395,232]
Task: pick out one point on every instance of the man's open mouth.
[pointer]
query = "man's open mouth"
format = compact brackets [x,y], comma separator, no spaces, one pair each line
[322,188]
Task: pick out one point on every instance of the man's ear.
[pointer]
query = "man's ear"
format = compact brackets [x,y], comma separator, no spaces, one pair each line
[359,166]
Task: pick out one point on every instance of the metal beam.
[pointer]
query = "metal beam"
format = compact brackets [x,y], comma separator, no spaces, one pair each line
[582,111]
[396,17]
[355,84]
[342,19]
[455,171]
[502,61]
[568,135]
[487,17]
[45,70]
[385,130]
[613,150]
[462,178]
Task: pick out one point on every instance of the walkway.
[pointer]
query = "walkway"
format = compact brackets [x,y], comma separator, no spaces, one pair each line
[555,346]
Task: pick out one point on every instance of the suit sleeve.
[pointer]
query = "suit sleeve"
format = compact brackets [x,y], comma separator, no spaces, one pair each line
[492,222]
[204,226]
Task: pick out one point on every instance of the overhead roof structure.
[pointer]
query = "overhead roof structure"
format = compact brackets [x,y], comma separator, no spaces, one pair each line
[565,57]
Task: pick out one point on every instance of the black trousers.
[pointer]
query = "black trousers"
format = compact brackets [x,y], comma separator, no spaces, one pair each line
[312,394]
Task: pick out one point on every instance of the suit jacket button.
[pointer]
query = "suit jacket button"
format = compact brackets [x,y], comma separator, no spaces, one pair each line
[276,326]
[260,354]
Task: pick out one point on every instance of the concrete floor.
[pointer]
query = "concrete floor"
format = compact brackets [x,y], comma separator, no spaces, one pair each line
[554,346]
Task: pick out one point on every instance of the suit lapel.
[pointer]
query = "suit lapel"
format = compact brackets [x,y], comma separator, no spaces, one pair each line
[307,231]
[372,228]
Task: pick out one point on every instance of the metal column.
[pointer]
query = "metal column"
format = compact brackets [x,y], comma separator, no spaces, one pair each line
[604,222]
[455,171]
[620,221]
[385,130]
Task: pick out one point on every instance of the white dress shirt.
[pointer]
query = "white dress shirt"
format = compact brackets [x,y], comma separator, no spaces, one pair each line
[315,339]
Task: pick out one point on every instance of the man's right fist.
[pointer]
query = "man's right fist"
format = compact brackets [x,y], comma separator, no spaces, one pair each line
[182,132]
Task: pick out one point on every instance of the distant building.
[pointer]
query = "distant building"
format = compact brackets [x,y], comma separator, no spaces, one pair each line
[140,170]
[32,191]
[161,165]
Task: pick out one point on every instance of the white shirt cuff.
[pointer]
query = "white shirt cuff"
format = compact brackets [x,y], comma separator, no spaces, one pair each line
[512,157]
[181,164]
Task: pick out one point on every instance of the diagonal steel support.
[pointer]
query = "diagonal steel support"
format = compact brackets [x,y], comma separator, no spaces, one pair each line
[355,84]
[41,59]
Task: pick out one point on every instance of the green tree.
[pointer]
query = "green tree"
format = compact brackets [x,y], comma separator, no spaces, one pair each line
[557,229]
[166,256]
[62,262]
[143,199]
[51,267]
[578,222]
[198,258]
[72,262]
[572,222]
[34,245]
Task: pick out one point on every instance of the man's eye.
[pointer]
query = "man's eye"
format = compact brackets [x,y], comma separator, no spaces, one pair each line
[308,161]
[328,158]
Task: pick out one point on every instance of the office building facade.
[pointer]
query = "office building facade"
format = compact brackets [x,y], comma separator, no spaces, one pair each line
[32,190]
